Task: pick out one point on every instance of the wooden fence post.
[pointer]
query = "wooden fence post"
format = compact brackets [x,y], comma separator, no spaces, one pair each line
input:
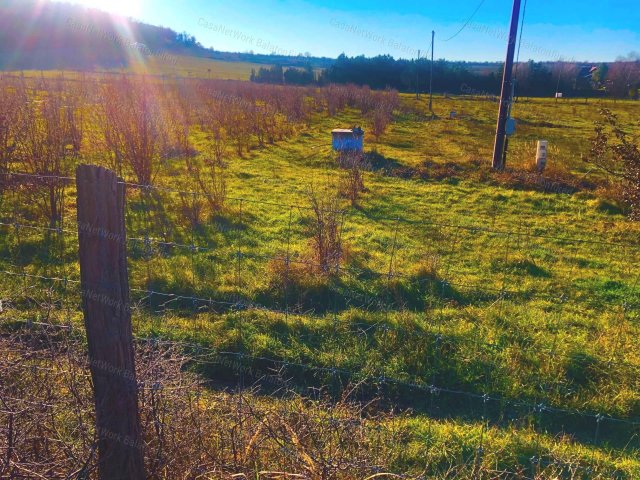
[107,318]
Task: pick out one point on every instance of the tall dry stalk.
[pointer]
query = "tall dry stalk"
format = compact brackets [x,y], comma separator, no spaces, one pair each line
[325,229]
[352,182]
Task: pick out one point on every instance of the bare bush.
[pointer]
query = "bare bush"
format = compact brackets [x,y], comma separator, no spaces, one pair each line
[189,431]
[13,100]
[352,182]
[380,120]
[325,229]
[215,125]
[49,144]
[381,114]
[210,176]
[336,99]
[241,128]
[619,157]
[133,127]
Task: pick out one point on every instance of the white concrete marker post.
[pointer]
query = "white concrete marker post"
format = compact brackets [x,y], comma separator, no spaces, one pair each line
[541,156]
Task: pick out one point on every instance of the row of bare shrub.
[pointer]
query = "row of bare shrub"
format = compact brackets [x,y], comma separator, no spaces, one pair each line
[137,126]
[339,97]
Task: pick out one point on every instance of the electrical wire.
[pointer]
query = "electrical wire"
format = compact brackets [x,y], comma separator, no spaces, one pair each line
[515,73]
[466,24]
[524,14]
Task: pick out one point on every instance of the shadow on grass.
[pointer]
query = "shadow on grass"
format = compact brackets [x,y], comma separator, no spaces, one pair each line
[279,377]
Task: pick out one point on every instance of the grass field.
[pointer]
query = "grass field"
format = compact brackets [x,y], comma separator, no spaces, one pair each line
[490,284]
[197,67]
[170,66]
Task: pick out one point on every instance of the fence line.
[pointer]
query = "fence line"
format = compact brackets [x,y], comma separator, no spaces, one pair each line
[157,386]
[241,304]
[470,228]
[384,304]
[238,304]
[201,354]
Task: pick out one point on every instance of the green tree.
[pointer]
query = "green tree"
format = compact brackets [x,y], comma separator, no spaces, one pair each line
[600,75]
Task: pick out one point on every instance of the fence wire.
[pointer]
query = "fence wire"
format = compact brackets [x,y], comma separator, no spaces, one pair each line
[367,322]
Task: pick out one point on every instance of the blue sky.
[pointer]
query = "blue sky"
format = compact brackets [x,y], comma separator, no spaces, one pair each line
[568,29]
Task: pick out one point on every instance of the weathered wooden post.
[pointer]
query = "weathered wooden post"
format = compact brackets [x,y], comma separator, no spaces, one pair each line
[107,318]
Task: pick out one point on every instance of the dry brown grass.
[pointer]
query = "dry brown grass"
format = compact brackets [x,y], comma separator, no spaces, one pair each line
[189,430]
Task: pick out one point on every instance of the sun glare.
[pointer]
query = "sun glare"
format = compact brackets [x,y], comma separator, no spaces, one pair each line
[127,8]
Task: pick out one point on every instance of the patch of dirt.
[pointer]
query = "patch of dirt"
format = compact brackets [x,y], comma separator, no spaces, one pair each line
[552,181]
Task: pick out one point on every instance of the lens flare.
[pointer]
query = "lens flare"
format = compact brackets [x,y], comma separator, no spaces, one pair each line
[127,8]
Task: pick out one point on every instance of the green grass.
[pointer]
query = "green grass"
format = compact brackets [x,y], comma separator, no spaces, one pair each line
[527,314]
[197,67]
[173,66]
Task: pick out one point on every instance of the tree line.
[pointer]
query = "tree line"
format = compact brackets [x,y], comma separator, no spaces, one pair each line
[620,79]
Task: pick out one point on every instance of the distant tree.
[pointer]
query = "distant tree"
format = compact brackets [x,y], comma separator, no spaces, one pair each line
[583,82]
[187,40]
[274,74]
[535,79]
[624,78]
[599,77]
[297,76]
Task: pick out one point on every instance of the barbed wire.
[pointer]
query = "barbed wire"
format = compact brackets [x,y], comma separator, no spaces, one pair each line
[240,255]
[196,354]
[352,270]
[199,353]
[377,218]
[199,304]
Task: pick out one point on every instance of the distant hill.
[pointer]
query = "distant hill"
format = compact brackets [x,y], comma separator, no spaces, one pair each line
[36,34]
[51,35]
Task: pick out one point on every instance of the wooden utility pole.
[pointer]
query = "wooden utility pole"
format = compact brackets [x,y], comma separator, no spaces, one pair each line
[499,160]
[418,77]
[107,318]
[433,38]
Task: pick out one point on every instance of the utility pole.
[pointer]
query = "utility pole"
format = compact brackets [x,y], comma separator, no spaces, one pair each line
[559,78]
[418,77]
[499,160]
[433,38]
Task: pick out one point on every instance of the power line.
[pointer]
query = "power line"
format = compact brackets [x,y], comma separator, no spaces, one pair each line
[524,14]
[433,40]
[467,22]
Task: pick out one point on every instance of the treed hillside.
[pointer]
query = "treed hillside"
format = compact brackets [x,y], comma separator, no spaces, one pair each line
[37,35]
[46,35]
[52,35]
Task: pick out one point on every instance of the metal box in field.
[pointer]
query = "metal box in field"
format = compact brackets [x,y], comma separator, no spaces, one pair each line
[348,139]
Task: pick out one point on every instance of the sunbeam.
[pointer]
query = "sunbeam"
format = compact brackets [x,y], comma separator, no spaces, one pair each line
[127,8]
